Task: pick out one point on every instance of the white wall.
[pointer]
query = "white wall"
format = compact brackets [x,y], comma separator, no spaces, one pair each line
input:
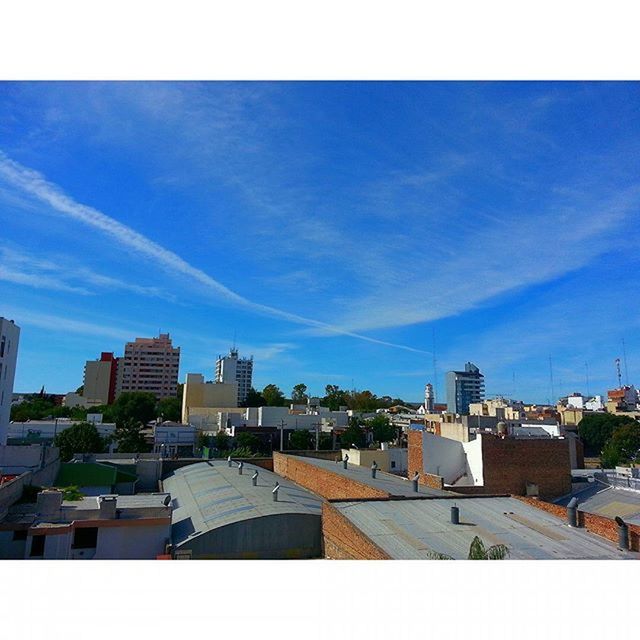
[443,456]
[9,339]
[131,543]
[473,453]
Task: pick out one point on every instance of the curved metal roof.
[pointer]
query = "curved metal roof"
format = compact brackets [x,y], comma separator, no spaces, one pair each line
[208,495]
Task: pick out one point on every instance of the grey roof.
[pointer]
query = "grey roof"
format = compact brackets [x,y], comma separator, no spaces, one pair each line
[606,501]
[208,495]
[411,529]
[392,484]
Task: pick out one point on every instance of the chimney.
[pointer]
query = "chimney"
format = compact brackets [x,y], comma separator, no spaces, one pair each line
[572,512]
[455,515]
[48,503]
[623,534]
[414,481]
[107,506]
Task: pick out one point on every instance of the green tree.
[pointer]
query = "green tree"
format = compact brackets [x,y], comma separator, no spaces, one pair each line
[107,411]
[353,434]
[254,399]
[596,429]
[326,442]
[129,437]
[273,396]
[300,440]
[134,406]
[170,409]
[36,408]
[247,440]
[335,397]
[79,438]
[221,441]
[80,390]
[477,551]
[382,429]
[299,394]
[623,447]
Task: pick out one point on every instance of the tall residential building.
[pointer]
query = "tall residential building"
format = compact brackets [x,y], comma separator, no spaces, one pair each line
[100,377]
[149,364]
[9,338]
[233,369]
[463,388]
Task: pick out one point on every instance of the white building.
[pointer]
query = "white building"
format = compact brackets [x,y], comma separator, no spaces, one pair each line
[9,338]
[39,430]
[106,527]
[231,369]
[173,438]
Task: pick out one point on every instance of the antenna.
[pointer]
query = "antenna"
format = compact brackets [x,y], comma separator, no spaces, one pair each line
[618,373]
[435,368]
[553,395]
[234,339]
[624,359]
[513,375]
[586,366]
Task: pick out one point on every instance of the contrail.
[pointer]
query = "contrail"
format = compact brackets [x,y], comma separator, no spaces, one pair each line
[36,185]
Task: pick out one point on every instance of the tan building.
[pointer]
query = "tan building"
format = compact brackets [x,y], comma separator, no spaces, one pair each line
[100,377]
[202,398]
[151,365]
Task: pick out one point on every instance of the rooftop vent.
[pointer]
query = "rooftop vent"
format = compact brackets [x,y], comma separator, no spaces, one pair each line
[623,534]
[374,469]
[275,492]
[455,515]
[240,465]
[254,479]
[572,512]
[345,460]
[414,480]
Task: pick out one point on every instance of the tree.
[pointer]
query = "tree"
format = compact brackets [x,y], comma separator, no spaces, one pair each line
[273,396]
[129,437]
[623,447]
[79,438]
[169,409]
[300,440]
[595,429]
[477,551]
[299,394]
[221,441]
[352,435]
[36,408]
[254,399]
[382,429]
[247,440]
[335,397]
[134,406]
[80,390]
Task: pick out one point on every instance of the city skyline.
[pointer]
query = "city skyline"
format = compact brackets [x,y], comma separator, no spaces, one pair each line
[335,228]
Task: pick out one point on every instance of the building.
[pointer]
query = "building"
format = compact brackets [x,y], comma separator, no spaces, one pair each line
[106,527]
[202,401]
[151,365]
[45,431]
[231,369]
[622,399]
[100,378]
[9,338]
[222,513]
[464,388]
[387,459]
[174,439]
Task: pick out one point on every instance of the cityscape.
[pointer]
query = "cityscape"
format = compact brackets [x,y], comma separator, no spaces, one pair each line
[319,320]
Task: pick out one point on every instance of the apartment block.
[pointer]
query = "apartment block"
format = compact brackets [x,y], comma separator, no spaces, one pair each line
[9,337]
[464,388]
[100,378]
[231,369]
[151,365]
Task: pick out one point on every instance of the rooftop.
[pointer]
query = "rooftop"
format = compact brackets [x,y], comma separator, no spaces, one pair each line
[208,495]
[606,501]
[392,484]
[412,529]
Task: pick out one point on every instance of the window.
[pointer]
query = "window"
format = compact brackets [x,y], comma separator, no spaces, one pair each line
[2,344]
[85,538]
[21,534]
[393,464]
[37,546]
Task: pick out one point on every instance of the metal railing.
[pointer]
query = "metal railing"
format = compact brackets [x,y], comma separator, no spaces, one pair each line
[618,480]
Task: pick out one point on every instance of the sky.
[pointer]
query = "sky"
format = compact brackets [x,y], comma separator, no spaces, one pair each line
[372,235]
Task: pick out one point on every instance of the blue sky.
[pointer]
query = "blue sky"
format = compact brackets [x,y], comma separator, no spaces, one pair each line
[335,229]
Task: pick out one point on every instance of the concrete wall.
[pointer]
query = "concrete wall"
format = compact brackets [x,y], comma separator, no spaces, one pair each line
[9,339]
[454,431]
[443,457]
[281,536]
[382,457]
[198,393]
[473,453]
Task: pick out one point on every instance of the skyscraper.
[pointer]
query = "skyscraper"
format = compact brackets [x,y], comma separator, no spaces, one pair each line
[233,369]
[463,388]
[9,337]
[149,364]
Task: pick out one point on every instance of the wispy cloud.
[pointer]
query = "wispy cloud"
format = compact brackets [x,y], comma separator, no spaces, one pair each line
[33,183]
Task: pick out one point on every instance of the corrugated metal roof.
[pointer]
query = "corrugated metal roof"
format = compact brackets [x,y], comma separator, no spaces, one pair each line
[212,494]
[608,502]
[394,485]
[412,529]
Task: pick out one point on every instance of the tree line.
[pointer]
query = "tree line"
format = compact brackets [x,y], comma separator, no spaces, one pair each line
[614,438]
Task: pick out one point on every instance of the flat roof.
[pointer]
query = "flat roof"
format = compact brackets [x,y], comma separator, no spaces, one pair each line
[606,501]
[413,529]
[208,495]
[392,484]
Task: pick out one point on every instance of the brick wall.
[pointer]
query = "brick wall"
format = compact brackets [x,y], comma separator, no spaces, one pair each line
[600,525]
[508,464]
[431,480]
[343,541]
[331,486]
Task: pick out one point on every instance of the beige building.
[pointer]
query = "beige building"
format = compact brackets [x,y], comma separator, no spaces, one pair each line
[388,459]
[151,365]
[207,398]
[500,408]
